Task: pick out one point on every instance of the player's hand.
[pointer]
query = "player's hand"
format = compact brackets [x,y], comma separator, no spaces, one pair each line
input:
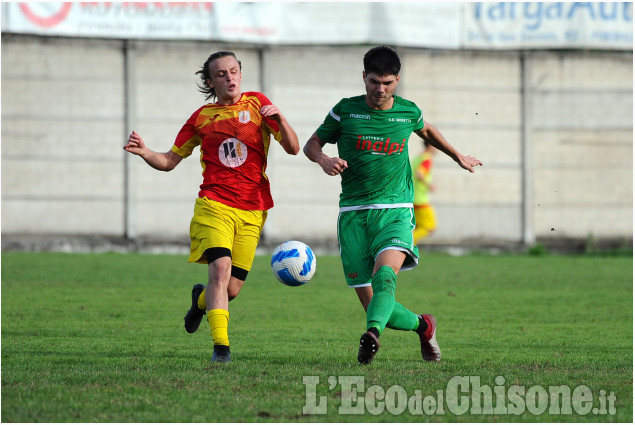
[333,166]
[272,112]
[135,144]
[468,162]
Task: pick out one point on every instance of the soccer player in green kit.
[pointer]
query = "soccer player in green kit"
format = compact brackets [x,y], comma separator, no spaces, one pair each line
[376,217]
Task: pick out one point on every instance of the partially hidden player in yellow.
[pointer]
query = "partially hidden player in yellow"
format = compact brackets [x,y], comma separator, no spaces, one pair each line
[233,134]
[425,217]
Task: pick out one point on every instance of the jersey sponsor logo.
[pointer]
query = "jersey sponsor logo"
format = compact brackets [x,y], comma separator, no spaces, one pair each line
[232,153]
[360,116]
[244,117]
[379,146]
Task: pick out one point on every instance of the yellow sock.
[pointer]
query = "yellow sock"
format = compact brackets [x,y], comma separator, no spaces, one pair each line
[218,320]
[201,301]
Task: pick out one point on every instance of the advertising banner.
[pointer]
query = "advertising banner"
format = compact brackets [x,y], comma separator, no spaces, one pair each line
[434,25]
[531,25]
[439,25]
[129,20]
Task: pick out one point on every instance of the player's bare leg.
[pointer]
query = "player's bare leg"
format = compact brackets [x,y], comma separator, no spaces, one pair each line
[365,294]
[234,287]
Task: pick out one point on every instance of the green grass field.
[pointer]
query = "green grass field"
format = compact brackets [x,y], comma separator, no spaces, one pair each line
[100,338]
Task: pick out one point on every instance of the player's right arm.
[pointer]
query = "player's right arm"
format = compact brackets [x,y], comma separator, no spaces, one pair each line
[159,161]
[331,165]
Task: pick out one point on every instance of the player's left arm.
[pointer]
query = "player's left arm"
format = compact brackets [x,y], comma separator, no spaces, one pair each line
[434,136]
[289,140]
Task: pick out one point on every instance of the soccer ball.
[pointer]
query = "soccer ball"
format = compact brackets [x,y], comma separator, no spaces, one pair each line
[293,263]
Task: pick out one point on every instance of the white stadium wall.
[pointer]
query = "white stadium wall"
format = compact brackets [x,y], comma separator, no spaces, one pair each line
[582,132]
[474,100]
[64,124]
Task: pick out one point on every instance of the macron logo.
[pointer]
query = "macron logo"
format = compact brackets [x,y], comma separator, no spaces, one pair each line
[360,116]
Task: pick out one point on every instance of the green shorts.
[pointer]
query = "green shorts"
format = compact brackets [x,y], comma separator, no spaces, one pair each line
[363,234]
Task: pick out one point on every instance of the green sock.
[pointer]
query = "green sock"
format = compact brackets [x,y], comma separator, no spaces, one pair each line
[383,302]
[402,319]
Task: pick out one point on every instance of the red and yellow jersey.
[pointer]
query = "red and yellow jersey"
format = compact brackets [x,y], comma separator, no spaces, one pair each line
[422,166]
[234,141]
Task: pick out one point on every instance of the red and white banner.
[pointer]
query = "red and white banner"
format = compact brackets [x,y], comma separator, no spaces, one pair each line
[136,20]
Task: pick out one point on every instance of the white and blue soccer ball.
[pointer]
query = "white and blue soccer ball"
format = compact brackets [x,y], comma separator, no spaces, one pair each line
[293,263]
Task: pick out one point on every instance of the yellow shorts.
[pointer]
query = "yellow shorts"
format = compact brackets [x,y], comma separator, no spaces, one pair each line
[426,221]
[216,225]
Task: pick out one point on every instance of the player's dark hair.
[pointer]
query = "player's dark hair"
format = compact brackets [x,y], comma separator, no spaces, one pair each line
[205,75]
[382,60]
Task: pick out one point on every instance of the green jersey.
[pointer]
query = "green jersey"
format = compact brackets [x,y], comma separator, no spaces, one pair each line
[375,146]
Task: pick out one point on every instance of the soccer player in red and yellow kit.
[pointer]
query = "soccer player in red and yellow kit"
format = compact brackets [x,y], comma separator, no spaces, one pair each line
[233,134]
[425,217]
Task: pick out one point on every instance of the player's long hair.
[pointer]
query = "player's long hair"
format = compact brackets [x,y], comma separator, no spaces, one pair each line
[382,60]
[209,92]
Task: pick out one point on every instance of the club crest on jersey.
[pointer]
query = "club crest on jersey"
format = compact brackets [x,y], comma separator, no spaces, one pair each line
[378,146]
[232,152]
[244,117]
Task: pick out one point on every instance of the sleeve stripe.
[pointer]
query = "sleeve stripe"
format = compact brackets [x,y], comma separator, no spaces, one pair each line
[335,117]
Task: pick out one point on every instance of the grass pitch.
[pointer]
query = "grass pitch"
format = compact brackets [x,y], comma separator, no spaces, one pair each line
[100,338]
